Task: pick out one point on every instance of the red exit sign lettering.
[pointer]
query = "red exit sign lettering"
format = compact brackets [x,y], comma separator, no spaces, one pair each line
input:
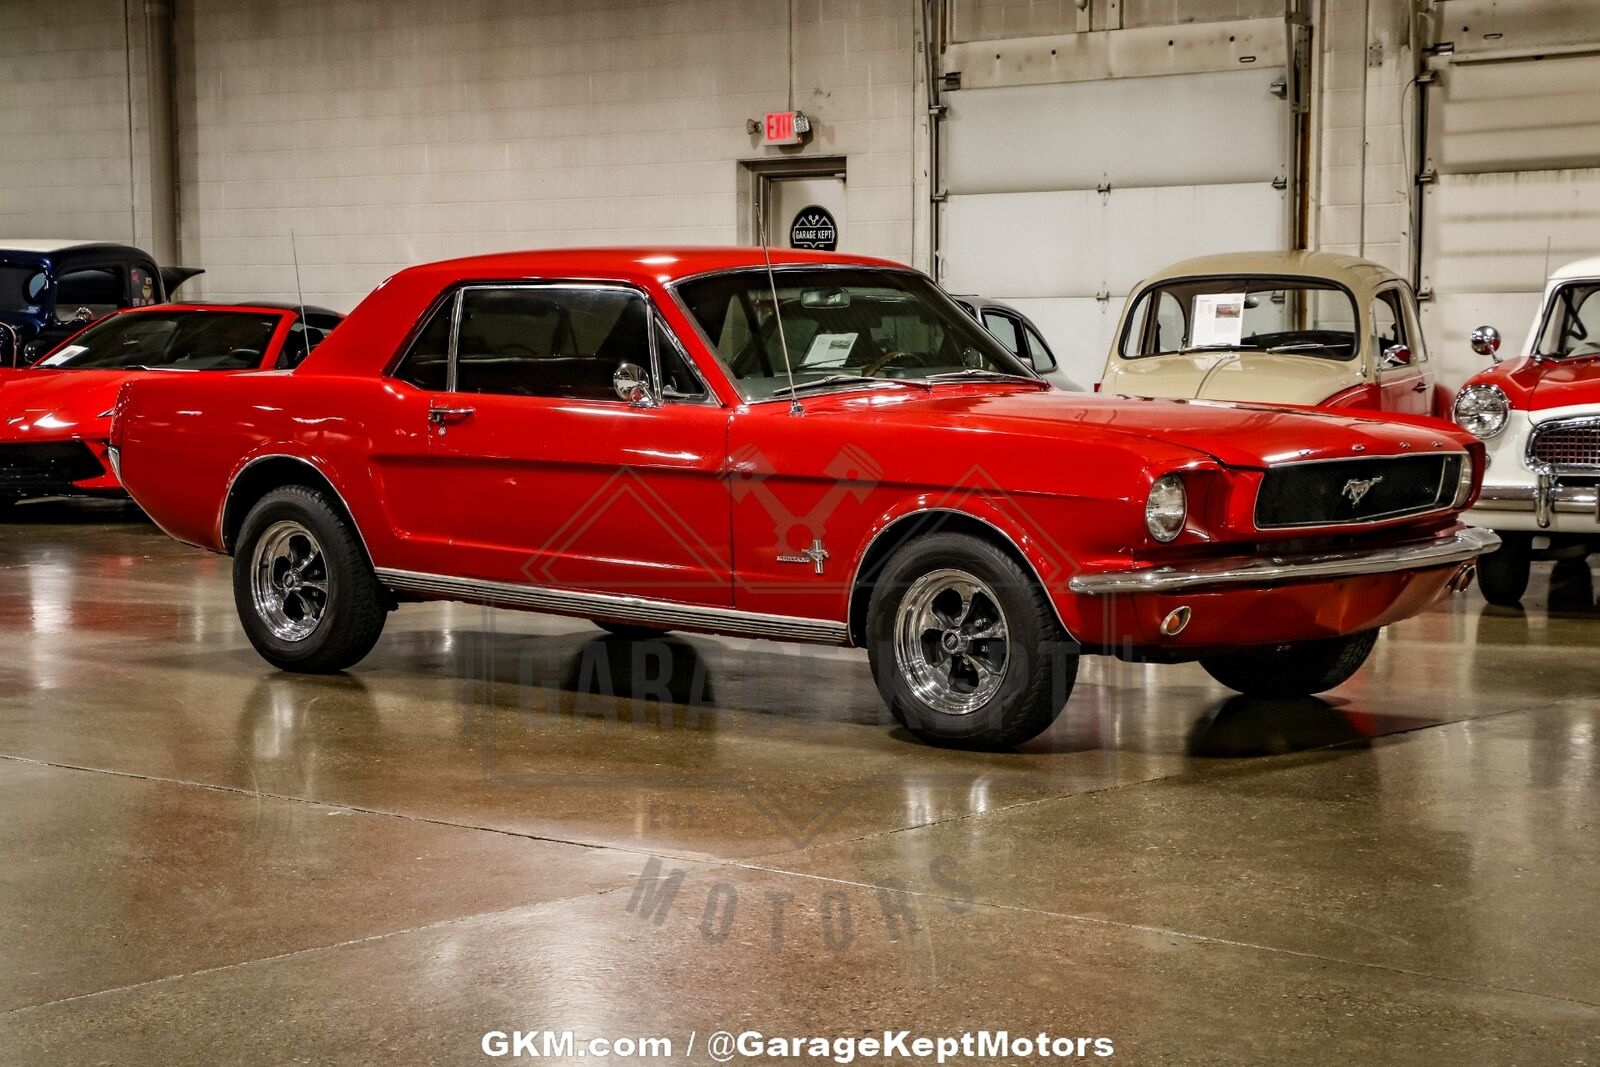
[781,128]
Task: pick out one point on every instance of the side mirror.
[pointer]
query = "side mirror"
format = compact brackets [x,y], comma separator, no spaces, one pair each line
[1028,362]
[1397,356]
[632,384]
[82,315]
[1486,341]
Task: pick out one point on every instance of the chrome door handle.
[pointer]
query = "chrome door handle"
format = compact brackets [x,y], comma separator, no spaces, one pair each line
[449,416]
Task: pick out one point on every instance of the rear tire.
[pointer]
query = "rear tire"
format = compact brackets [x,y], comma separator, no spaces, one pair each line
[965,646]
[305,592]
[1503,573]
[1295,670]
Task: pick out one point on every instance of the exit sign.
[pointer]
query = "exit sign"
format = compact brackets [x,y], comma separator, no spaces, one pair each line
[784,127]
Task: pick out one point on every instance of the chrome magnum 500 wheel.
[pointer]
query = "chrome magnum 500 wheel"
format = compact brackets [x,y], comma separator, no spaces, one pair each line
[964,645]
[305,592]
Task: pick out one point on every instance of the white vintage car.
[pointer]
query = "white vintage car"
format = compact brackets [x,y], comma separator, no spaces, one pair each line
[1539,416]
[1311,328]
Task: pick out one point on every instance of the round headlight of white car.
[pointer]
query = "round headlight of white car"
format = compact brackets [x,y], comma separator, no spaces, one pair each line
[1166,508]
[1482,410]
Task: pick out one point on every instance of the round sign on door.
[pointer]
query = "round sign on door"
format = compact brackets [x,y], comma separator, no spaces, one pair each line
[813,227]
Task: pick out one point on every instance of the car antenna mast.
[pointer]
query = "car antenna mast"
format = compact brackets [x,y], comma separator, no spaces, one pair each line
[795,407]
[299,291]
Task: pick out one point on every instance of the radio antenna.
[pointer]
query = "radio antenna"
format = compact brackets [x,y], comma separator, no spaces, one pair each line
[777,317]
[300,292]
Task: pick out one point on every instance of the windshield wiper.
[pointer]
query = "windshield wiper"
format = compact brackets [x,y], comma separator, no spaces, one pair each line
[828,380]
[980,374]
[1301,346]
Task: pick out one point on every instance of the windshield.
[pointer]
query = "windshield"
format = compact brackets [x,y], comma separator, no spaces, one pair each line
[1299,316]
[841,326]
[170,340]
[22,288]
[1572,324]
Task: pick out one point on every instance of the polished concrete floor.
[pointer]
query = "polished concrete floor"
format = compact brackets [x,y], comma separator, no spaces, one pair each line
[482,827]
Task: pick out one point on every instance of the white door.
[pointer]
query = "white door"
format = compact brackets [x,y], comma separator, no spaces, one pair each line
[1061,197]
[792,215]
[1513,154]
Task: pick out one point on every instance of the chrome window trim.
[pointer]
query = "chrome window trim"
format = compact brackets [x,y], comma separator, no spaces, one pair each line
[1458,546]
[1466,457]
[1582,422]
[458,296]
[227,499]
[643,610]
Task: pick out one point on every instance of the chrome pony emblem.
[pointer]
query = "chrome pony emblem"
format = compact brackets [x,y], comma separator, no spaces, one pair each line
[1356,488]
[816,555]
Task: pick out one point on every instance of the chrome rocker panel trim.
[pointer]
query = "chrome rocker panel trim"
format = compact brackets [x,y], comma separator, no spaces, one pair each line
[1456,547]
[645,611]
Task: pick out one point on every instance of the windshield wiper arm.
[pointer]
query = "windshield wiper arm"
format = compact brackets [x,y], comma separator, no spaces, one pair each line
[826,381]
[981,374]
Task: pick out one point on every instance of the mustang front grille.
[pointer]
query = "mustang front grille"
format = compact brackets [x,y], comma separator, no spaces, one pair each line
[1346,491]
[45,469]
[1566,445]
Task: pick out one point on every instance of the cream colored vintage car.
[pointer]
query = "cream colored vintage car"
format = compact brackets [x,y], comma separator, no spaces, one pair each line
[1311,328]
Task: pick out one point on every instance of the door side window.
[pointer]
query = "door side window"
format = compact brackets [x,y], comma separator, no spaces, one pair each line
[1005,330]
[1043,358]
[100,289]
[1157,325]
[1391,337]
[549,341]
[426,364]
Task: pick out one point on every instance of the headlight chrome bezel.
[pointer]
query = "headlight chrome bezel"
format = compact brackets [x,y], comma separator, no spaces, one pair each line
[1488,403]
[1166,508]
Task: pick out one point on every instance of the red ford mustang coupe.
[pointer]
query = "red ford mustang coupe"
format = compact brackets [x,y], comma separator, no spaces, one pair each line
[831,451]
[55,416]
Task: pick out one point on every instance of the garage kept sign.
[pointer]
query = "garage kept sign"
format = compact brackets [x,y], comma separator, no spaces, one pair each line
[814,228]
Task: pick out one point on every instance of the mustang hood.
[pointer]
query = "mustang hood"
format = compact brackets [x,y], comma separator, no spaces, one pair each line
[1238,435]
[1248,376]
[36,404]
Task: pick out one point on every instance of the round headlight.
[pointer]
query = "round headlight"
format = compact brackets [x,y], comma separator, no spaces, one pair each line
[1166,507]
[1482,410]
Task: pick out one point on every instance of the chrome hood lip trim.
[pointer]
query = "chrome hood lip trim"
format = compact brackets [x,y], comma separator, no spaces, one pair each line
[1456,547]
[645,610]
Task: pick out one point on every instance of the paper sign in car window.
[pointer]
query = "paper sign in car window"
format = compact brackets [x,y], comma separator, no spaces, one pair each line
[62,356]
[829,349]
[1218,320]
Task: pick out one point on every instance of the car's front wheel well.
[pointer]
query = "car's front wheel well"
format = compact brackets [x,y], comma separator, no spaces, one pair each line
[905,529]
[266,475]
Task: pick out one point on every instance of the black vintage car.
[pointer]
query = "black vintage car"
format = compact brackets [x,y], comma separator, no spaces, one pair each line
[49,289]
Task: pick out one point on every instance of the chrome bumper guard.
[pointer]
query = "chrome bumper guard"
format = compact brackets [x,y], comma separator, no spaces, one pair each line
[1457,547]
[1544,499]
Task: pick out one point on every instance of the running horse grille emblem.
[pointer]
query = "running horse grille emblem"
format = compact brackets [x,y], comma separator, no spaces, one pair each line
[816,555]
[1357,488]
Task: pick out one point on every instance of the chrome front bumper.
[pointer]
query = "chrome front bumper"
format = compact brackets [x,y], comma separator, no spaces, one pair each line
[1458,547]
[1543,499]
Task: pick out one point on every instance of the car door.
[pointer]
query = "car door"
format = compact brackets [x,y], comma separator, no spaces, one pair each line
[538,472]
[1404,383]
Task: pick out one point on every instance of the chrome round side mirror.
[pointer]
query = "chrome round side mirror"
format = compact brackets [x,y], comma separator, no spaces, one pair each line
[83,315]
[632,384]
[1486,340]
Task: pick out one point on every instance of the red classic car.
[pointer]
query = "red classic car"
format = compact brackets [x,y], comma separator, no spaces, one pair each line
[55,416]
[832,451]
[1539,417]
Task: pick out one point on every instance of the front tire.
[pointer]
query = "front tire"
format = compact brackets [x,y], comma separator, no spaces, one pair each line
[305,592]
[1503,573]
[965,646]
[1295,670]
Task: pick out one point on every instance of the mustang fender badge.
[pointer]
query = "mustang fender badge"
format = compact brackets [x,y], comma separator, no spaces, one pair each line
[816,555]
[1356,488]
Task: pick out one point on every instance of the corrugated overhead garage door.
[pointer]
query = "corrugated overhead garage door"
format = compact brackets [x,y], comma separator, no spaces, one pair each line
[1060,197]
[1513,148]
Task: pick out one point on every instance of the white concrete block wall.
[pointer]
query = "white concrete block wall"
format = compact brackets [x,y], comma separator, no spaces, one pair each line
[388,134]
[66,167]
